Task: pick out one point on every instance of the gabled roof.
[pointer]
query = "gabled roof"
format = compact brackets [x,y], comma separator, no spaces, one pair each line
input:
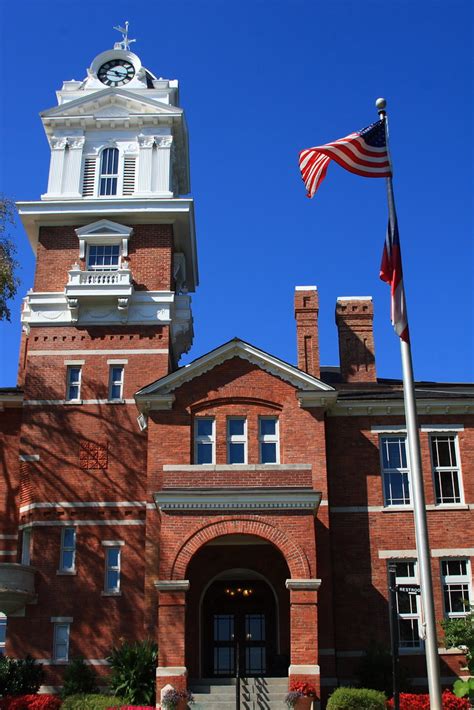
[95,101]
[158,394]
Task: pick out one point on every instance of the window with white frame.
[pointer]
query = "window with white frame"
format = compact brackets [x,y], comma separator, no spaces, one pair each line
[3,633]
[67,558]
[73,383]
[61,641]
[112,569]
[446,471]
[109,166]
[236,440]
[26,546]
[103,257]
[116,383]
[408,605]
[268,440]
[457,591]
[395,472]
[204,440]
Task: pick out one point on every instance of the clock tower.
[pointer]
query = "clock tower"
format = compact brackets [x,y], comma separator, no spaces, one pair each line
[114,239]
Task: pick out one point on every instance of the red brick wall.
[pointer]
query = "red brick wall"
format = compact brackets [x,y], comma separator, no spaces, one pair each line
[10,421]
[99,621]
[150,255]
[360,577]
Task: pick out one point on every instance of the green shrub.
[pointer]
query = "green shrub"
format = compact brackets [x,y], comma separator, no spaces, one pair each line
[91,702]
[134,672]
[79,678]
[356,699]
[20,677]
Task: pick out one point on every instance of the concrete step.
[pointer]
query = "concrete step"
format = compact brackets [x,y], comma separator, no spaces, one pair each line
[255,693]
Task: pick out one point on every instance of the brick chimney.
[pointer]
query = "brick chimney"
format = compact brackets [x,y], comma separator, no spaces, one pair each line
[306,314]
[355,318]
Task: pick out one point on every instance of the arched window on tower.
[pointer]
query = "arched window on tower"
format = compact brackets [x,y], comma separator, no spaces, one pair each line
[108,171]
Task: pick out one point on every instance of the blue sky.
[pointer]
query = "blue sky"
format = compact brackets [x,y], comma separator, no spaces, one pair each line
[259,81]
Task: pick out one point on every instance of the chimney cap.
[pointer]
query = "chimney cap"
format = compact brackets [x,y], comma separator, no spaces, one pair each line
[354,298]
[306,288]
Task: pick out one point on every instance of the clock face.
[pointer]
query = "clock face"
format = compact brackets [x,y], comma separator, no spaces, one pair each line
[116,72]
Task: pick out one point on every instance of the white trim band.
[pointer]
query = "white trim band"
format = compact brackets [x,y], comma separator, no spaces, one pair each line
[237,467]
[69,523]
[98,351]
[72,402]
[440,552]
[85,504]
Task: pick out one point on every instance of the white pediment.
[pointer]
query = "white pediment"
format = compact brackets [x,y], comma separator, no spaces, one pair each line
[104,226]
[302,381]
[112,111]
[118,102]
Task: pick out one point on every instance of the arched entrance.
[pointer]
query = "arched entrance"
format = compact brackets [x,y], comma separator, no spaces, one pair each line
[237,609]
[239,626]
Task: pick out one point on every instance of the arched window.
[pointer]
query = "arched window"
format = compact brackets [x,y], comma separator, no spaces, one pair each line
[108,171]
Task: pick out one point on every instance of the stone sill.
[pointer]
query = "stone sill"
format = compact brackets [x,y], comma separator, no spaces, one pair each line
[238,467]
[111,594]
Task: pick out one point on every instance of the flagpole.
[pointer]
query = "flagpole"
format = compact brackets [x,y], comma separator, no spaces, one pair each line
[419,507]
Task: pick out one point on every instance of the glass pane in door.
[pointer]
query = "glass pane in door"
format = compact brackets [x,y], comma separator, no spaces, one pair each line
[255,660]
[255,627]
[223,627]
[223,660]
[224,644]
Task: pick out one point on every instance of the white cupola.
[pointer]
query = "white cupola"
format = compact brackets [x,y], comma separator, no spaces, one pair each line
[117,133]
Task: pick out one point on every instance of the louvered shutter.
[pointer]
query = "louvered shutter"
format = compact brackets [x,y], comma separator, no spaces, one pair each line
[88,180]
[129,164]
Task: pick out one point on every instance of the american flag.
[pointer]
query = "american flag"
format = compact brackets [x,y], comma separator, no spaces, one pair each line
[391,272]
[363,153]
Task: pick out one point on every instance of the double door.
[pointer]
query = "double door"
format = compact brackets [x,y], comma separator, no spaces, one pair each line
[239,644]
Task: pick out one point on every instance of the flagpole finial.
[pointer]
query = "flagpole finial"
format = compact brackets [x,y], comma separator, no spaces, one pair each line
[381,106]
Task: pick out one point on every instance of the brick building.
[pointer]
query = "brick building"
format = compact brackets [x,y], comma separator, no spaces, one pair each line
[239,499]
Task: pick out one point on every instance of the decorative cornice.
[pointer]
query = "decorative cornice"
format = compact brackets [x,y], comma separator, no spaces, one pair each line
[390,407]
[316,399]
[172,585]
[303,584]
[238,499]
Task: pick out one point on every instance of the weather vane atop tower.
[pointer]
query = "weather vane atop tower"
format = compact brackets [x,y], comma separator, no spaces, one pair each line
[125,43]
